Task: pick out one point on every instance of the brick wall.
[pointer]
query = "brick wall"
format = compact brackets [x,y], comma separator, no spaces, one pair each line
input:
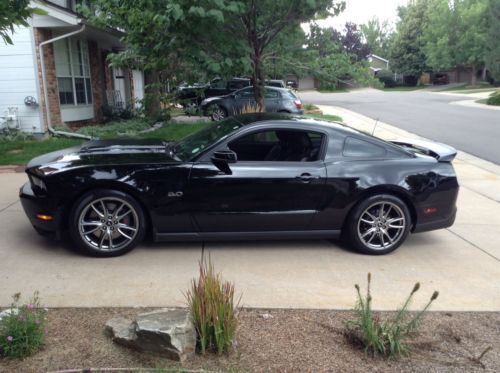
[50,76]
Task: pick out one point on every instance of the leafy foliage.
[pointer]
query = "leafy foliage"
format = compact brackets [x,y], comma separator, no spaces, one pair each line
[14,13]
[387,78]
[386,338]
[492,57]
[22,333]
[494,99]
[407,54]
[213,310]
[378,35]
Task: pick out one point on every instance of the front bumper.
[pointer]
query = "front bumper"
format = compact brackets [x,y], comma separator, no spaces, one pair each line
[34,205]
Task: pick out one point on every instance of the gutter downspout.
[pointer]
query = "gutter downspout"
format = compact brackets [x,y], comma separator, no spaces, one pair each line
[45,90]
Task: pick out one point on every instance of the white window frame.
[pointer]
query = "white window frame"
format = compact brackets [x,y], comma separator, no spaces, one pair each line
[84,57]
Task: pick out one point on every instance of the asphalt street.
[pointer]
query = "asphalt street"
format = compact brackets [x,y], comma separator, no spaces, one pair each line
[425,113]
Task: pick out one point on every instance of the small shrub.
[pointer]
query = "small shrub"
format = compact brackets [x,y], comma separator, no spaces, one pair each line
[387,78]
[386,338]
[213,310]
[22,333]
[494,99]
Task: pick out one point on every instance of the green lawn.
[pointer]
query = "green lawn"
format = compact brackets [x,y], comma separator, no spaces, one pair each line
[464,88]
[331,118]
[20,151]
[403,88]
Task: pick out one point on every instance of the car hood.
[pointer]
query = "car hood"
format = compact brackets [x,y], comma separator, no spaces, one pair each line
[102,152]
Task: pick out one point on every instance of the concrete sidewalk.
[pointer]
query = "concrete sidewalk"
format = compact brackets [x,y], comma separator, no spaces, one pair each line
[461,262]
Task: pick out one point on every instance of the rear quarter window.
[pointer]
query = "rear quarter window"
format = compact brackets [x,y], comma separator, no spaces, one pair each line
[357,148]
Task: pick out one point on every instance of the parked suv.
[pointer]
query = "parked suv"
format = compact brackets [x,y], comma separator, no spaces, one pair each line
[279,100]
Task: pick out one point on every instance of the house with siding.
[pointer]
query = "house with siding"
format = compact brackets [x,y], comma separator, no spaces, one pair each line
[56,71]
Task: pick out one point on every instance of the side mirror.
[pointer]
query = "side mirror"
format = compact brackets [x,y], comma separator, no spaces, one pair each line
[222,158]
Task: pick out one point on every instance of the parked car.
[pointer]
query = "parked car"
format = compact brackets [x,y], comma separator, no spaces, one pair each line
[192,96]
[255,176]
[440,78]
[279,100]
[275,83]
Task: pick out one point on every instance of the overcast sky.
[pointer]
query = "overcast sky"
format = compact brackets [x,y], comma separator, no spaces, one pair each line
[360,11]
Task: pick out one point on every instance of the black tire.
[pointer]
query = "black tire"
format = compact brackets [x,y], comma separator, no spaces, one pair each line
[217,112]
[375,238]
[127,226]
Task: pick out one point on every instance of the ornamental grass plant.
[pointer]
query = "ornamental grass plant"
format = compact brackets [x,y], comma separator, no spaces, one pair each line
[22,331]
[211,301]
[385,337]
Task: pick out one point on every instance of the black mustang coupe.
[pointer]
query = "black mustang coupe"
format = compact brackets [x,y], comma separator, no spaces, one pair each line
[256,176]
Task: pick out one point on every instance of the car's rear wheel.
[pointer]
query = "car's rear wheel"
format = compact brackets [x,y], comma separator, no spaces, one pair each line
[107,223]
[378,224]
[217,113]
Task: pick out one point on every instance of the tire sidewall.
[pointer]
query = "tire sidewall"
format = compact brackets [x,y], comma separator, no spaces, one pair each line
[83,201]
[353,219]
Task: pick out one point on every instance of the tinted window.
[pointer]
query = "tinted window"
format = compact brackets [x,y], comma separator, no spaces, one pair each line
[245,93]
[359,148]
[269,93]
[279,146]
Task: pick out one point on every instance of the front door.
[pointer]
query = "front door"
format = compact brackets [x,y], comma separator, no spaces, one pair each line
[270,187]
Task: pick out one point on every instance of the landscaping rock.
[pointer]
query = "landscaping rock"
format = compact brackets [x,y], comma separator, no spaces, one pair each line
[168,332]
[8,312]
[188,119]
[122,331]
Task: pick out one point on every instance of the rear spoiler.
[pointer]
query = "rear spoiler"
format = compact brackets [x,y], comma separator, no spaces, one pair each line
[442,152]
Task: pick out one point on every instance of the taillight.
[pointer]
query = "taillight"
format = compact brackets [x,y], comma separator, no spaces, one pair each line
[298,104]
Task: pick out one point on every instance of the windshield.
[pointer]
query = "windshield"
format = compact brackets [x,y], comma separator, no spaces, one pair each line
[194,144]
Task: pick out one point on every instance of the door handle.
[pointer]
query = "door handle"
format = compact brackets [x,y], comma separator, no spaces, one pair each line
[307,177]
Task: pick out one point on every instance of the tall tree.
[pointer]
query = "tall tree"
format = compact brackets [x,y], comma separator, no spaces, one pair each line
[377,34]
[221,36]
[407,53]
[492,57]
[14,13]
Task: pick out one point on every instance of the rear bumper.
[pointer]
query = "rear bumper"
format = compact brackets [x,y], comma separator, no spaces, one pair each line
[34,205]
[436,224]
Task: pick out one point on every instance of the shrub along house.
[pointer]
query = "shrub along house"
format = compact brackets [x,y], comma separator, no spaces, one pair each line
[56,71]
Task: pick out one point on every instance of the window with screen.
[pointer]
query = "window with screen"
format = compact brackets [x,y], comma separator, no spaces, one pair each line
[73,71]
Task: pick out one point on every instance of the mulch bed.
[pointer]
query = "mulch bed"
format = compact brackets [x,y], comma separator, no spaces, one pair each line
[289,341]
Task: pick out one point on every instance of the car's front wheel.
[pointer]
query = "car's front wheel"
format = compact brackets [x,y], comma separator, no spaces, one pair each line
[107,223]
[217,113]
[378,224]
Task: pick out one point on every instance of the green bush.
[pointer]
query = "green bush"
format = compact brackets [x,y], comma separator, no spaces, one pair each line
[22,333]
[387,338]
[494,98]
[387,78]
[213,311]
[113,129]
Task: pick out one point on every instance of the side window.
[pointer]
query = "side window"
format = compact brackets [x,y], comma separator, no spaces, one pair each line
[279,146]
[245,93]
[362,149]
[269,93]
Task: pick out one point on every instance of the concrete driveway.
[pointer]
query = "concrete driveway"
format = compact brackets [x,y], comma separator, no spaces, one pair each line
[462,263]
[435,115]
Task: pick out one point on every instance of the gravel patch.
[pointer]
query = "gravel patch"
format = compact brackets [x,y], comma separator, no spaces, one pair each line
[274,340]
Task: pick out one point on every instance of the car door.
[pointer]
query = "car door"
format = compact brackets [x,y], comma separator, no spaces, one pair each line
[258,195]
[272,99]
[244,98]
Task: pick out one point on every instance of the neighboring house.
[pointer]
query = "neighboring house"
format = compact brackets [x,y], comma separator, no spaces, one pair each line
[303,82]
[75,82]
[377,63]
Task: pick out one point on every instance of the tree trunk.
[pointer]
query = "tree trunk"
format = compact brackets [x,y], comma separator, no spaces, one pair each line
[474,75]
[152,93]
[258,81]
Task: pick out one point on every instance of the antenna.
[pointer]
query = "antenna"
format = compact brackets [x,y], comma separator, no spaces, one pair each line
[375,127]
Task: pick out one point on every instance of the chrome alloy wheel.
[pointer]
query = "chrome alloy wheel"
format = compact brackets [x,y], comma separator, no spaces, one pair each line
[218,113]
[381,225]
[108,224]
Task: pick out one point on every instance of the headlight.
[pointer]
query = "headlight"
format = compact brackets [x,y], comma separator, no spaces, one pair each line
[37,182]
